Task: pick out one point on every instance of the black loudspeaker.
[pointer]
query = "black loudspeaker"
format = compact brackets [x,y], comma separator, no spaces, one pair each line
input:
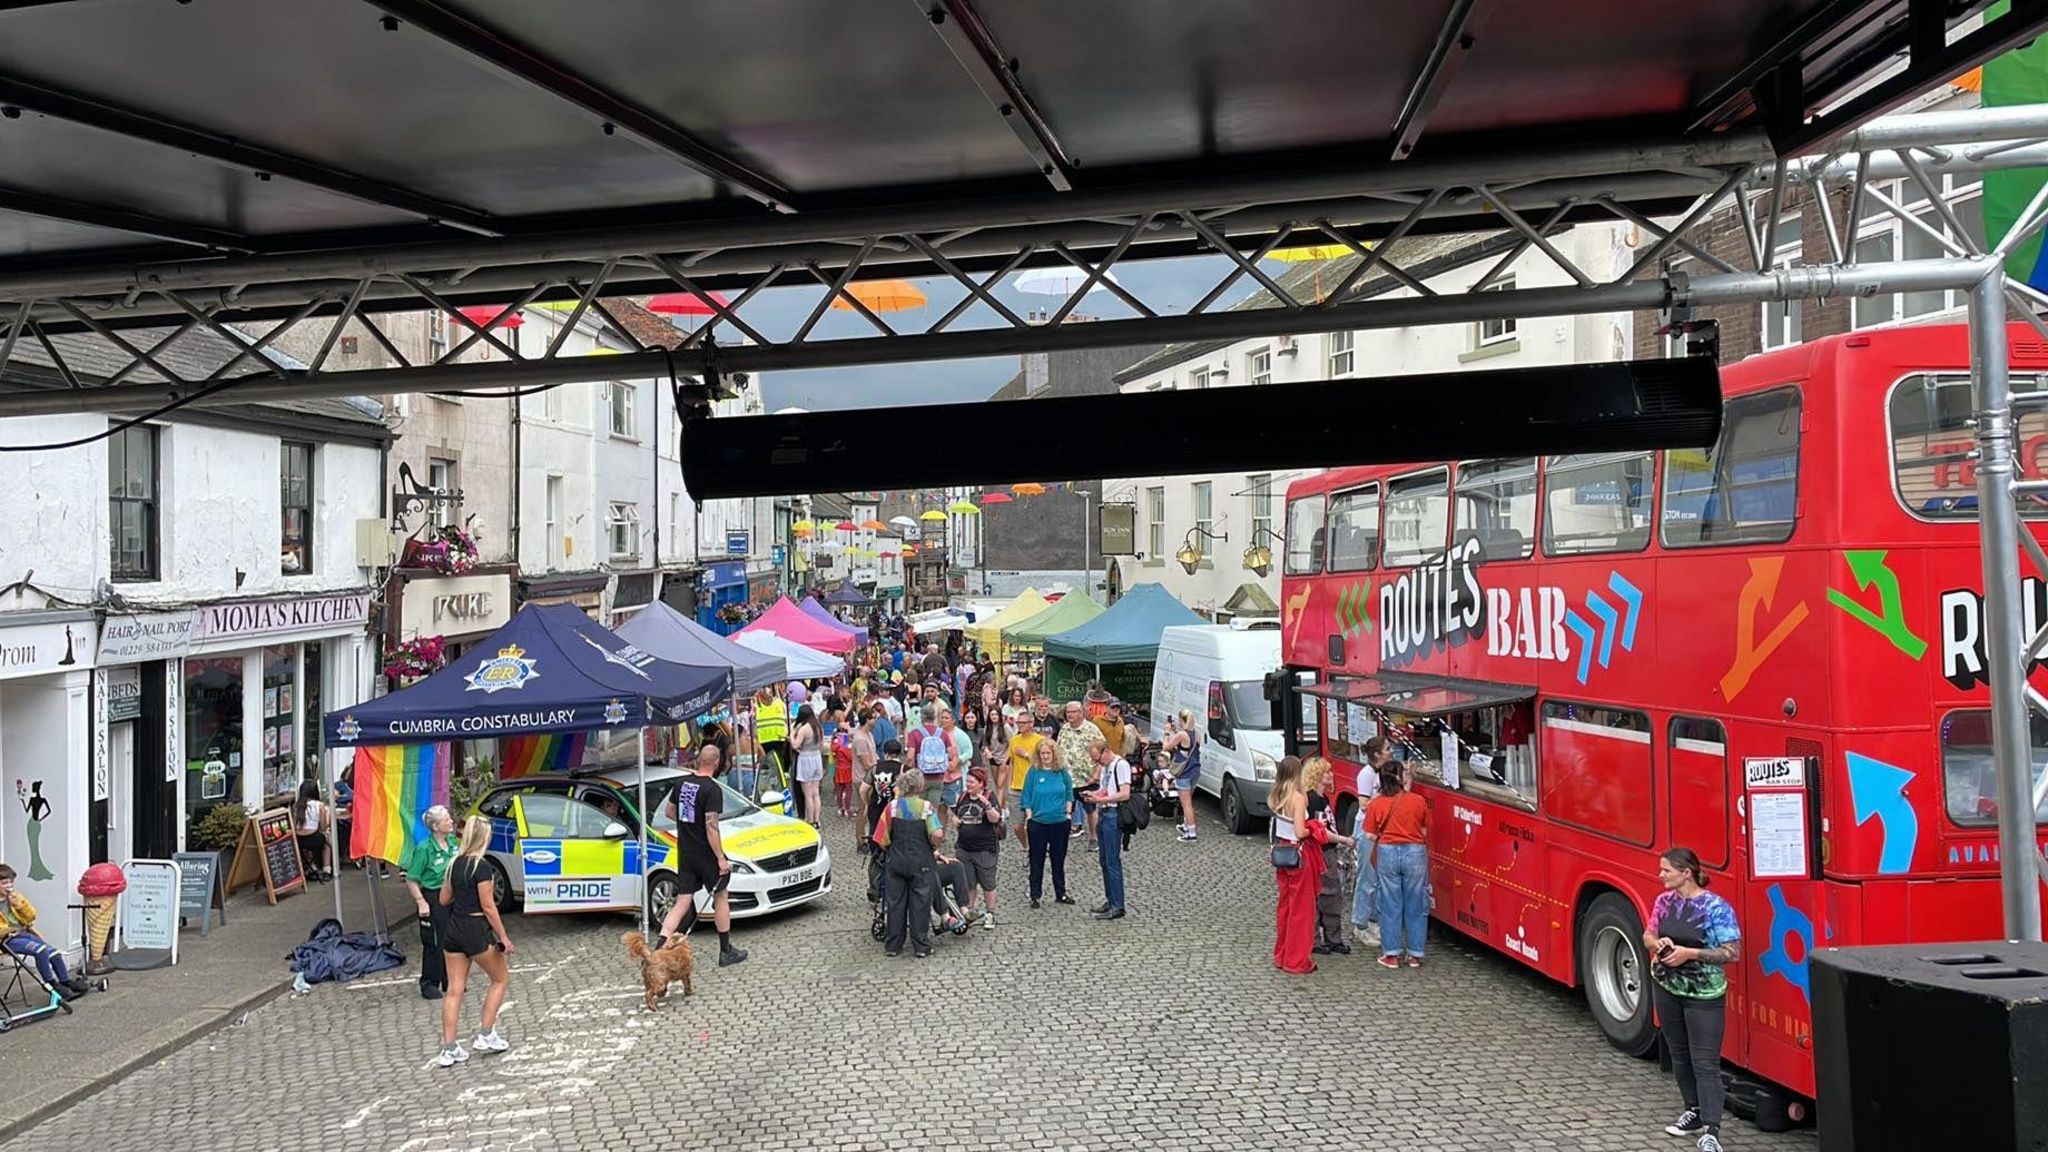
[1924,1046]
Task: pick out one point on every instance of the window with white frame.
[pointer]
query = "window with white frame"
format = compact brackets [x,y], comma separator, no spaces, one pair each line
[622,529]
[1882,238]
[551,403]
[1155,523]
[441,478]
[437,335]
[1201,497]
[675,523]
[623,399]
[1198,378]
[1338,360]
[1784,320]
[557,542]
[1258,367]
[1258,498]
[1500,330]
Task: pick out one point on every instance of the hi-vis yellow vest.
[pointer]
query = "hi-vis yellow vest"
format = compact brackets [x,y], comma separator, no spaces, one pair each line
[771,721]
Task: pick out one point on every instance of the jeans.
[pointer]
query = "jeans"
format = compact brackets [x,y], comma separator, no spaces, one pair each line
[1365,902]
[1048,840]
[49,961]
[1110,842]
[1404,898]
[1692,1034]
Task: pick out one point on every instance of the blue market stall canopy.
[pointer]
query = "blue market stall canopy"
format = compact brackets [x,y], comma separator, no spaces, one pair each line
[671,635]
[847,596]
[551,669]
[1127,633]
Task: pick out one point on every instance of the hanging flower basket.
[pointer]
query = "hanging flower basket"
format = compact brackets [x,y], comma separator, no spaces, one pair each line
[735,614]
[415,659]
[450,552]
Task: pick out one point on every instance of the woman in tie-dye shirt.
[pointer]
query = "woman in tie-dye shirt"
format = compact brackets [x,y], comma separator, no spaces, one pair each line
[1692,938]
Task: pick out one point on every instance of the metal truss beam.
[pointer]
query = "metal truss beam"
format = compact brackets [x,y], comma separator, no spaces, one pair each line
[1454,42]
[994,71]
[523,64]
[108,117]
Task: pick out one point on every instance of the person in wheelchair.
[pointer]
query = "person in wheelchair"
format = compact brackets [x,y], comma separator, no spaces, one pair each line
[18,935]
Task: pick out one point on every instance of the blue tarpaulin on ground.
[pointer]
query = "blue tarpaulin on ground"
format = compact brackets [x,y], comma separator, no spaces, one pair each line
[550,669]
[329,954]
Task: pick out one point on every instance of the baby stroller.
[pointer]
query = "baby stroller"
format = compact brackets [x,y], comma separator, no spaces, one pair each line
[1162,794]
[948,914]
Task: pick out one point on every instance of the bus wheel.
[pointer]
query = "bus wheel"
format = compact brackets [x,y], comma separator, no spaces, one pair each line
[1235,817]
[1616,974]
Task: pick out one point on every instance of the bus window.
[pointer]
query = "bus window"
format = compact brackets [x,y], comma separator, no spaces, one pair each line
[1968,777]
[1418,518]
[1355,529]
[1597,503]
[1932,444]
[1497,503]
[1744,491]
[1305,536]
[1596,770]
[1698,755]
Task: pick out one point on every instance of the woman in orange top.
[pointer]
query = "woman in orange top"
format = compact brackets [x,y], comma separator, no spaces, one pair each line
[1295,918]
[1398,820]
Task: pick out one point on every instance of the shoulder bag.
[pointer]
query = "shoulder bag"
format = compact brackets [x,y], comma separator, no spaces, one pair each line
[1286,853]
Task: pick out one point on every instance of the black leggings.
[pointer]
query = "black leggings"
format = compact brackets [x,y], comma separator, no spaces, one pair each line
[1692,1034]
[1048,840]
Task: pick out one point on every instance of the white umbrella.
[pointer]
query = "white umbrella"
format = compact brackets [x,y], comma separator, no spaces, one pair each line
[1061,281]
[903,521]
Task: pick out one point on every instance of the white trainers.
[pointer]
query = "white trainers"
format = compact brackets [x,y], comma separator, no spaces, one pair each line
[988,922]
[489,1042]
[451,1056]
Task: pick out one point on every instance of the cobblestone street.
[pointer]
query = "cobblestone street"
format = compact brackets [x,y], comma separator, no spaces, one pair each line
[1168,1029]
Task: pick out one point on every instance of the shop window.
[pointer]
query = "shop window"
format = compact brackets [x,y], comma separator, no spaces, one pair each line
[1745,490]
[1418,518]
[1596,770]
[312,682]
[1698,755]
[1355,530]
[1597,503]
[281,773]
[1497,504]
[1934,446]
[213,731]
[295,477]
[132,502]
[1969,779]
[1304,547]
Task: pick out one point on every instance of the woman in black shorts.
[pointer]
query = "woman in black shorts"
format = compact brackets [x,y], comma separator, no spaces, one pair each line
[474,934]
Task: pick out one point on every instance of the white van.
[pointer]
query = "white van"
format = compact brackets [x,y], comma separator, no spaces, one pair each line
[1218,672]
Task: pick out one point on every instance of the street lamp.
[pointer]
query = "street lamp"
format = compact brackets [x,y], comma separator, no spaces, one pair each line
[1190,556]
[1258,557]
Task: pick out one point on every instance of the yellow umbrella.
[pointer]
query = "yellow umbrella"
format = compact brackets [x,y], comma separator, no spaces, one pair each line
[803,526]
[963,508]
[881,296]
[1312,254]
[934,514]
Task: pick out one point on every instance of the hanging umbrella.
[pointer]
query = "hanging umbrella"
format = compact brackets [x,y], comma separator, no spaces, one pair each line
[874,525]
[881,296]
[492,316]
[988,498]
[1317,254]
[885,553]
[803,526]
[963,508]
[802,530]
[688,304]
[1061,281]
[933,515]
[845,526]
[1028,488]
[903,521]
[601,350]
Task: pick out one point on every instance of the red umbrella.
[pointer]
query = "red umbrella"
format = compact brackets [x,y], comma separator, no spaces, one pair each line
[687,304]
[846,526]
[492,316]
[995,498]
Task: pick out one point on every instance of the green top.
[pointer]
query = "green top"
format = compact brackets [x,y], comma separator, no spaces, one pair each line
[427,860]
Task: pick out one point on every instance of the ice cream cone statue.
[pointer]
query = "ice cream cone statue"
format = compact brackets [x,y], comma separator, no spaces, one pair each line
[101,885]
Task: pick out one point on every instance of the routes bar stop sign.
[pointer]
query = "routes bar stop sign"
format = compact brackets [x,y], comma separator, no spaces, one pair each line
[1119,535]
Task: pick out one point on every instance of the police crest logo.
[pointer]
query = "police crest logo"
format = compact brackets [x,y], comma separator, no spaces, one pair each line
[508,669]
[614,712]
[348,728]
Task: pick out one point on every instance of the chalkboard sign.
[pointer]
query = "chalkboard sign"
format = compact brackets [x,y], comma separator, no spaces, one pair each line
[202,889]
[268,852]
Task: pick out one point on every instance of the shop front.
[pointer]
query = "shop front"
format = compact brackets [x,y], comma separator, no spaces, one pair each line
[584,590]
[631,592]
[46,661]
[138,749]
[421,605]
[257,678]
[724,591]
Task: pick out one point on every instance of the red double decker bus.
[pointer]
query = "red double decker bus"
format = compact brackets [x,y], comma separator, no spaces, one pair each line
[1771,652]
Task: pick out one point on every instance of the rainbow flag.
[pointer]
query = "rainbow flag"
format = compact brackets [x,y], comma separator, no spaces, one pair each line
[395,784]
[527,755]
[2018,77]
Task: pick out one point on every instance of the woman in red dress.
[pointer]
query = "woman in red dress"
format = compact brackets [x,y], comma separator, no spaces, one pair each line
[1295,919]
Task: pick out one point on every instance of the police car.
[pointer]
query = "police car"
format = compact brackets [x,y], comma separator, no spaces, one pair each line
[571,843]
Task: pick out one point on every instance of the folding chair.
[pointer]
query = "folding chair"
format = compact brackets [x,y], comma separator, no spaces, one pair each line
[24,996]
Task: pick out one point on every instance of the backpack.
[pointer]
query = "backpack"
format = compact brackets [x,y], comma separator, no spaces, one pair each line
[934,749]
[1134,812]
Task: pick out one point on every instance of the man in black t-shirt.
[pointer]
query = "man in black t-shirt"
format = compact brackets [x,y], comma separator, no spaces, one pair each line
[694,808]
[875,793]
[980,821]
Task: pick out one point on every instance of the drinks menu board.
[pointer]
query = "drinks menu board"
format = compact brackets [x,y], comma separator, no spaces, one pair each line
[268,852]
